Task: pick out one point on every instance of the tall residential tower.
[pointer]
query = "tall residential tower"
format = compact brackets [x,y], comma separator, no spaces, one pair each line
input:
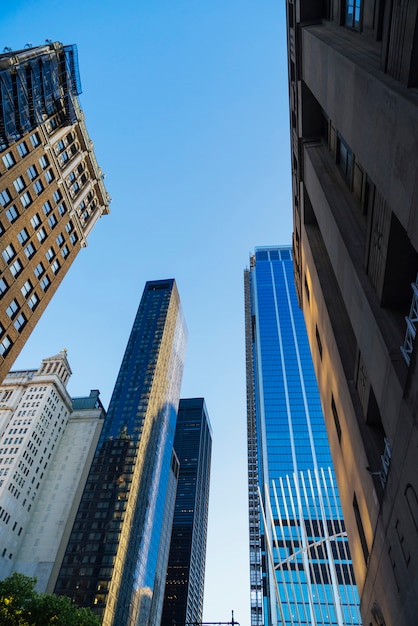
[183,601]
[300,565]
[116,558]
[51,187]
[353,85]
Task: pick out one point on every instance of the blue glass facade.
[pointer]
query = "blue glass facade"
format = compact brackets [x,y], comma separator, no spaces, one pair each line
[301,571]
[114,561]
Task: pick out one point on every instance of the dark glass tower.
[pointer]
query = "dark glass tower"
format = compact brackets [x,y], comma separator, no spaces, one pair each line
[300,565]
[116,558]
[183,601]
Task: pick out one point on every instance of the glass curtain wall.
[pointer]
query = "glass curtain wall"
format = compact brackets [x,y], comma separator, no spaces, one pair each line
[301,571]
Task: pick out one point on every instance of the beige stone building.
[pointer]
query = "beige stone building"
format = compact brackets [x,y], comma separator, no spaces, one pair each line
[47,443]
[353,87]
[51,187]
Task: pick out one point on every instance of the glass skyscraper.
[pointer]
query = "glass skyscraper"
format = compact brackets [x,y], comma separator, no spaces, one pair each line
[117,554]
[183,601]
[300,565]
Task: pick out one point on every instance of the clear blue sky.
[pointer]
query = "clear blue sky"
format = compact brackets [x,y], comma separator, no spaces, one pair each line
[187,104]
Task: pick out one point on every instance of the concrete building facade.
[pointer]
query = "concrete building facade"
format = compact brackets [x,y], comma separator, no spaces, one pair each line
[353,79]
[51,187]
[47,443]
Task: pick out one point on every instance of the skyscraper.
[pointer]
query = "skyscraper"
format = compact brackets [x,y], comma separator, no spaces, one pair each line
[183,600]
[51,187]
[300,566]
[47,441]
[353,79]
[116,558]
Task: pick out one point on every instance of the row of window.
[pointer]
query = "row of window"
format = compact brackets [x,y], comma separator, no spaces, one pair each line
[15,265]
[9,159]
[26,197]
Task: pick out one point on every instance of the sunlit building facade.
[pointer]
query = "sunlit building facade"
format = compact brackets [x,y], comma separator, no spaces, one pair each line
[51,187]
[116,558]
[300,565]
[353,80]
[47,442]
[183,600]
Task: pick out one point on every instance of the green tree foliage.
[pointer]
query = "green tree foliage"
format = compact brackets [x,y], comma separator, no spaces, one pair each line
[21,605]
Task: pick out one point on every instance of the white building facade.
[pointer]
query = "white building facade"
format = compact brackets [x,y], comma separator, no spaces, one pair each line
[46,449]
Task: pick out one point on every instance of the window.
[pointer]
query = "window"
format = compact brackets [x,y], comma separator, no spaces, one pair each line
[45,282]
[73,238]
[50,254]
[16,267]
[26,288]
[35,140]
[41,234]
[49,176]
[71,177]
[5,346]
[3,287]
[35,221]
[22,149]
[318,341]
[12,309]
[60,145]
[33,302]
[38,187]
[8,253]
[39,270]
[23,236]
[55,267]
[31,172]
[8,160]
[25,199]
[43,161]
[69,226]
[12,214]
[60,240]
[336,418]
[345,159]
[61,208]
[412,501]
[65,252]
[47,208]
[20,322]
[57,196]
[76,188]
[360,529]
[52,221]
[64,157]
[19,184]
[5,197]
[30,250]
[352,14]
